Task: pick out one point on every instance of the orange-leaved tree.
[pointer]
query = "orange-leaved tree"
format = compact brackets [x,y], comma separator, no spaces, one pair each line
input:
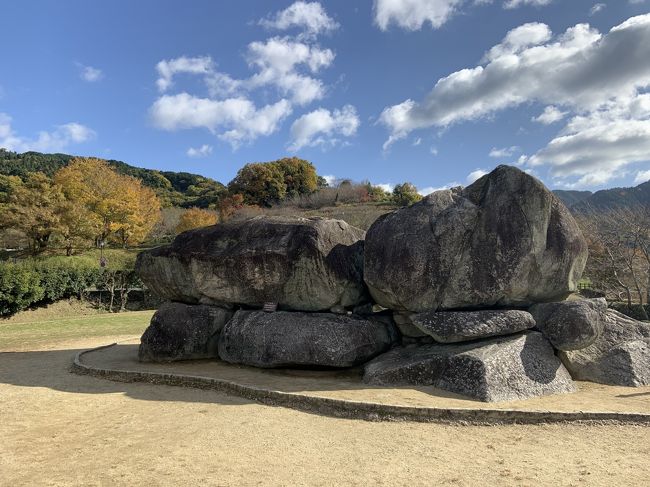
[117,207]
[196,218]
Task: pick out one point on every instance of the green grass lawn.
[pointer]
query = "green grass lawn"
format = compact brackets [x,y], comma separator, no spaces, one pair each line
[14,336]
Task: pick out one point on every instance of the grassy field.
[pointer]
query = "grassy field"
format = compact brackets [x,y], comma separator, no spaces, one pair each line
[34,334]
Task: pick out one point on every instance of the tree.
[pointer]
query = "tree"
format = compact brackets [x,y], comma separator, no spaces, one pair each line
[299,176]
[228,205]
[196,218]
[117,206]
[260,184]
[33,207]
[405,194]
[619,252]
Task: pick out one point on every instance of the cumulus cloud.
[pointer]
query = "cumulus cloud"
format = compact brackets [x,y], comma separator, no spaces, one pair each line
[504,152]
[598,146]
[597,78]
[58,139]
[323,127]
[90,74]
[330,179]
[167,69]
[413,14]
[307,16]
[203,151]
[432,189]
[474,175]
[642,177]
[235,120]
[278,59]
[518,3]
[289,65]
[596,8]
[550,115]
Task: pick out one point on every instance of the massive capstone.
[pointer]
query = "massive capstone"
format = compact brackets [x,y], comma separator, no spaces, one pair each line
[499,369]
[504,241]
[308,264]
[290,338]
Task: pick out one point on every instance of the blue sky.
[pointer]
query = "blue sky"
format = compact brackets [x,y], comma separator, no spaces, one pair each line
[433,91]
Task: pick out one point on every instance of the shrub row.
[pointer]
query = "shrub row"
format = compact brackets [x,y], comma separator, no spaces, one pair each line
[34,281]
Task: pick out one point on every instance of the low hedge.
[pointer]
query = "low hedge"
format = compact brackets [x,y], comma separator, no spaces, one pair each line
[37,280]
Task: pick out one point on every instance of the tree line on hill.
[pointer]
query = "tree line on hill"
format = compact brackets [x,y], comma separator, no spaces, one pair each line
[60,200]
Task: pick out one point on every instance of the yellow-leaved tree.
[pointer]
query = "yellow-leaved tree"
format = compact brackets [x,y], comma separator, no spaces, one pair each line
[116,207]
[195,218]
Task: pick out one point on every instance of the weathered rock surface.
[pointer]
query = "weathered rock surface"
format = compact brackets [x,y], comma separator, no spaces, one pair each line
[505,240]
[288,338]
[500,369]
[462,326]
[308,264]
[183,332]
[619,356]
[571,325]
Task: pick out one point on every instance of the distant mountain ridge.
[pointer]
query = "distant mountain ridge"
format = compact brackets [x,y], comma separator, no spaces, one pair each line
[181,189]
[607,198]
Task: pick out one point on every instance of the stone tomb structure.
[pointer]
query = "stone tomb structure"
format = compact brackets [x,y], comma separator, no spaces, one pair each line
[464,290]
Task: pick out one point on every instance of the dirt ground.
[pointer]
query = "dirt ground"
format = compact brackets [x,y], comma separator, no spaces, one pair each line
[57,428]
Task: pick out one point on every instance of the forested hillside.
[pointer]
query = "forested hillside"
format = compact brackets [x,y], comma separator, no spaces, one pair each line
[180,189]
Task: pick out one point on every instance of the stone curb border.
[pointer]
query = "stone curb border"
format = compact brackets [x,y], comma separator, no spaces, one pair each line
[341,408]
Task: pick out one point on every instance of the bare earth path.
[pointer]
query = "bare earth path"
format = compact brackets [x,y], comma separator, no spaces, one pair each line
[57,428]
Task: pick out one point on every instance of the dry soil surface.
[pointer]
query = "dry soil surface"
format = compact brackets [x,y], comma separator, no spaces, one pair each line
[57,428]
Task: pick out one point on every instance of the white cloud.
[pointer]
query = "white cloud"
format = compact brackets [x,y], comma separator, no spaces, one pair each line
[433,151]
[518,3]
[597,146]
[595,78]
[330,179]
[203,151]
[308,16]
[431,189]
[642,177]
[323,127]
[191,65]
[596,8]
[504,152]
[518,39]
[235,120]
[90,74]
[278,60]
[385,186]
[58,139]
[581,68]
[417,142]
[476,174]
[413,14]
[550,115]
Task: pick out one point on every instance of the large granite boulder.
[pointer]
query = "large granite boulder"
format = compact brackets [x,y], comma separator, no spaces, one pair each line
[462,326]
[308,264]
[571,325]
[619,356]
[499,369]
[183,332]
[504,241]
[287,338]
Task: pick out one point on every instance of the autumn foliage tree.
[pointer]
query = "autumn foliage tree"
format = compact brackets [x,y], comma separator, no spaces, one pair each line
[268,183]
[33,206]
[196,218]
[405,194]
[111,205]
